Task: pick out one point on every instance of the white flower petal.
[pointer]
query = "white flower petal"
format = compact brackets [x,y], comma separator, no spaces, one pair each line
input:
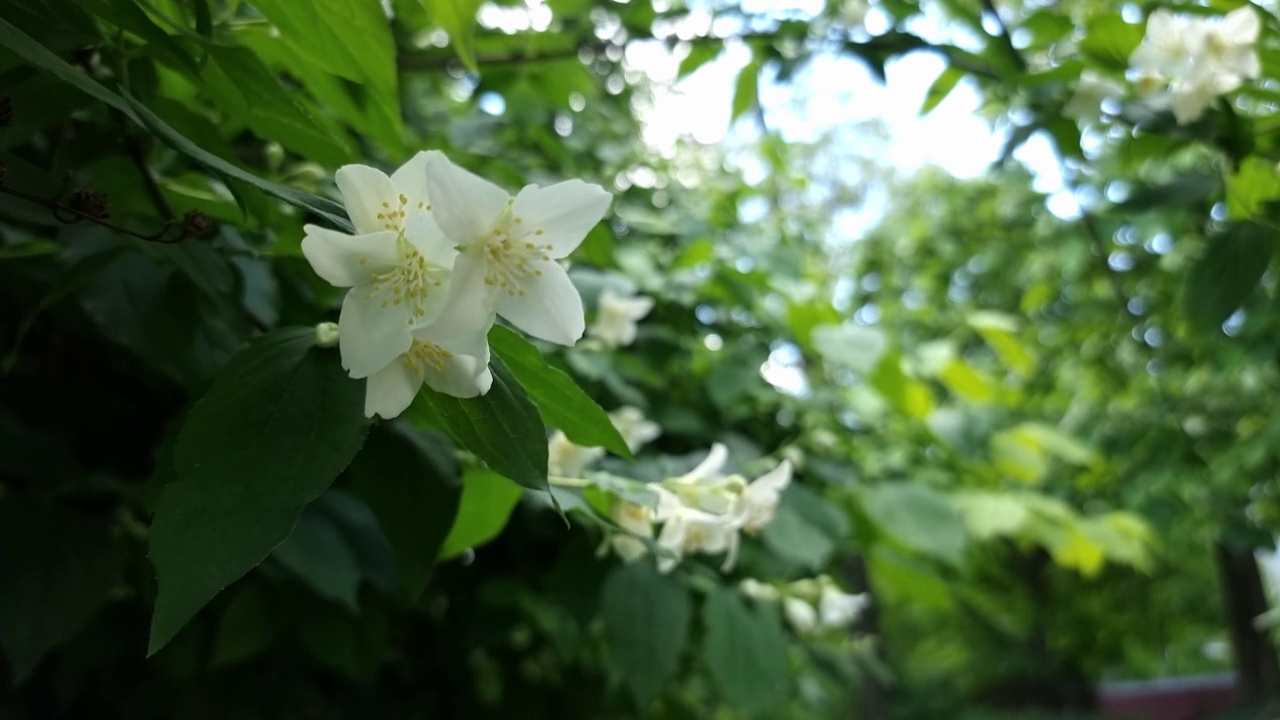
[391,390]
[565,212]
[550,309]
[1240,26]
[411,178]
[462,377]
[709,467]
[471,303]
[802,616]
[337,257]
[370,336]
[364,189]
[465,205]
[428,238]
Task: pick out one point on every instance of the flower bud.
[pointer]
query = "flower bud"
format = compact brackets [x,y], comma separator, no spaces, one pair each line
[802,616]
[197,225]
[327,334]
[757,590]
[91,203]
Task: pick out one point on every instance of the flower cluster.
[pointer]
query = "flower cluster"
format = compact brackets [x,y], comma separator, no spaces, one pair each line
[702,511]
[438,255]
[1199,58]
[810,604]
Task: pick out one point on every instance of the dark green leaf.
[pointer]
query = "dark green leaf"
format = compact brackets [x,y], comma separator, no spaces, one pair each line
[745,651]
[560,401]
[56,569]
[646,623]
[1219,283]
[126,15]
[486,505]
[246,628]
[279,423]
[502,427]
[317,553]
[410,480]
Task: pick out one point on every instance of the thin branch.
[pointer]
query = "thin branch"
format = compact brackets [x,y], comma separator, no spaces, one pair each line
[1003,35]
[138,155]
[55,208]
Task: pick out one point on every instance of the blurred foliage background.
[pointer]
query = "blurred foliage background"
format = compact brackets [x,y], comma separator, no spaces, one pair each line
[1041,442]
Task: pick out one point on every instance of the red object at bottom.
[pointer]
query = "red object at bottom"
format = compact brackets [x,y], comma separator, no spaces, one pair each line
[1189,698]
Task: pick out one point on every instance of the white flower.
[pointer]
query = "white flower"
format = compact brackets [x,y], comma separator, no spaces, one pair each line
[837,608]
[1092,89]
[509,247]
[397,264]
[689,530]
[1169,45]
[760,499]
[451,364]
[800,614]
[634,428]
[616,318]
[637,520]
[1201,58]
[757,590]
[567,459]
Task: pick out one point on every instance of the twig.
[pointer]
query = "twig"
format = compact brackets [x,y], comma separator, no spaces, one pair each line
[55,208]
[1003,35]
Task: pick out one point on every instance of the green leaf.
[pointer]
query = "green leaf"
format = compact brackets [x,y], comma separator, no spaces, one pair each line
[1219,282]
[331,211]
[917,516]
[560,401]
[30,50]
[56,569]
[347,38]
[646,625]
[410,480]
[486,505]
[502,427]
[458,18]
[746,651]
[246,628]
[1109,40]
[318,554]
[1251,186]
[746,91]
[941,88]
[699,54]
[126,15]
[1000,332]
[279,423]
[246,89]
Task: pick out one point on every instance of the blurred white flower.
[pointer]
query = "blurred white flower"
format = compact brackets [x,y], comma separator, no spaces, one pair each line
[567,459]
[635,429]
[800,614]
[616,318]
[690,530]
[398,264]
[837,608]
[757,590]
[509,248]
[636,520]
[1201,58]
[1092,89]
[760,499]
